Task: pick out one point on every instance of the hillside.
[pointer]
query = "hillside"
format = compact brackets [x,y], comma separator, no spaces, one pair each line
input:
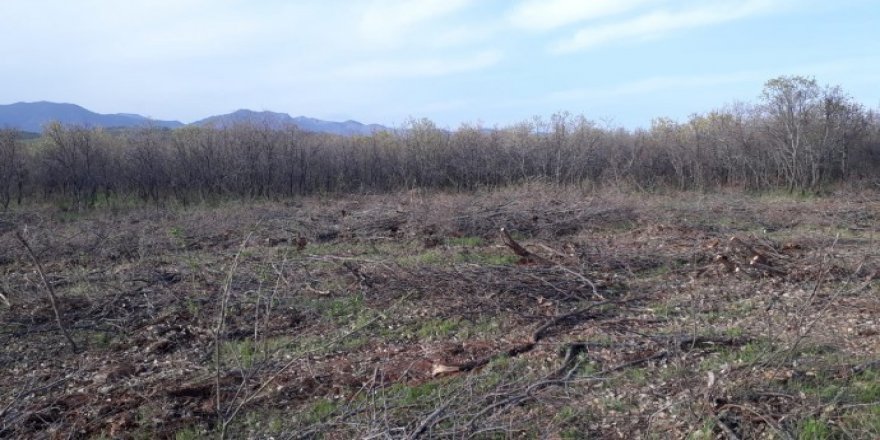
[32,116]
[276,120]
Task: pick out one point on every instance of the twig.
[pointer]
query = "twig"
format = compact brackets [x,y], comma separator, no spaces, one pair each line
[36,390]
[221,319]
[552,286]
[53,299]
[15,399]
[514,399]
[727,430]
[284,368]
[551,379]
[428,421]
[553,251]
[531,256]
[808,328]
[767,421]
[539,332]
[861,368]
[526,347]
[521,251]
[555,379]
[656,356]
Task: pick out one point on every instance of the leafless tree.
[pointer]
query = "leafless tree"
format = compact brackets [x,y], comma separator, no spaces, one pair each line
[799,136]
[12,166]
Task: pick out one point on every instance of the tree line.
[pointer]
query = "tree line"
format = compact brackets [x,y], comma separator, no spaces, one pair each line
[799,136]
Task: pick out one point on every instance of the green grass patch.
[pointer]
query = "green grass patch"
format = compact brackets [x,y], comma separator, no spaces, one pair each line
[245,352]
[636,376]
[435,328]
[814,429]
[348,248]
[747,354]
[860,389]
[318,410]
[100,340]
[344,309]
[465,254]
[486,259]
[430,257]
[240,352]
[418,397]
[465,241]
[484,327]
[865,387]
[190,433]
[864,419]
[666,310]
[706,432]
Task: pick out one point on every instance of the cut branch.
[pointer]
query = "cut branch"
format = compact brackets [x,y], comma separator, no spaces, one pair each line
[53,299]
[519,250]
[539,334]
[529,256]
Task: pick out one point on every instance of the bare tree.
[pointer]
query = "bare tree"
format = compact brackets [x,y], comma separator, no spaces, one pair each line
[148,162]
[76,163]
[800,136]
[813,129]
[12,166]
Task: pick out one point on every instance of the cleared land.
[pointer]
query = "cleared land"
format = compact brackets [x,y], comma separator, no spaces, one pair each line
[411,315]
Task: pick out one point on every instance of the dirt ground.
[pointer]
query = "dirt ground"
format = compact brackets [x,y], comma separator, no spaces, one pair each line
[413,315]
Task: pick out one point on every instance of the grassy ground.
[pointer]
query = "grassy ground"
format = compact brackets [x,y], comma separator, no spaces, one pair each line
[409,315]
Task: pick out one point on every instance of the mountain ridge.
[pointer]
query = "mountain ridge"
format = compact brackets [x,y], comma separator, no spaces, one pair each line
[276,120]
[32,116]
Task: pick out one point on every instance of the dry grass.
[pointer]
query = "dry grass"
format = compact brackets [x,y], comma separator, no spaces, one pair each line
[405,315]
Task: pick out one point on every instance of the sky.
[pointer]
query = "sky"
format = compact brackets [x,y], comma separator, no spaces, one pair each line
[488,62]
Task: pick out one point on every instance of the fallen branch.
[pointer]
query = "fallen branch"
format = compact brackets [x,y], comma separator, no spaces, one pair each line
[53,299]
[688,342]
[521,251]
[266,383]
[727,430]
[861,368]
[221,321]
[527,393]
[745,409]
[429,421]
[540,331]
[528,256]
[517,350]
[569,367]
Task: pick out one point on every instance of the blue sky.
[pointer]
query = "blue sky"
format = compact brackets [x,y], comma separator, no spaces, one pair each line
[490,61]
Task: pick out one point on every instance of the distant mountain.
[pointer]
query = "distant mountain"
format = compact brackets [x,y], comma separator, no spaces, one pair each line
[272,119]
[280,120]
[347,128]
[32,116]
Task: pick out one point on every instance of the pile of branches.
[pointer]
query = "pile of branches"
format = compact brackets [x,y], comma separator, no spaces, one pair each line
[762,257]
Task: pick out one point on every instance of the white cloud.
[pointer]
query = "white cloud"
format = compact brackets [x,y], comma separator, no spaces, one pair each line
[389,22]
[423,67]
[658,23]
[827,68]
[659,83]
[542,15]
[463,35]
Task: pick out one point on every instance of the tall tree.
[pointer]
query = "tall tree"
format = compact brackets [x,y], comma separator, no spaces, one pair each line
[12,167]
